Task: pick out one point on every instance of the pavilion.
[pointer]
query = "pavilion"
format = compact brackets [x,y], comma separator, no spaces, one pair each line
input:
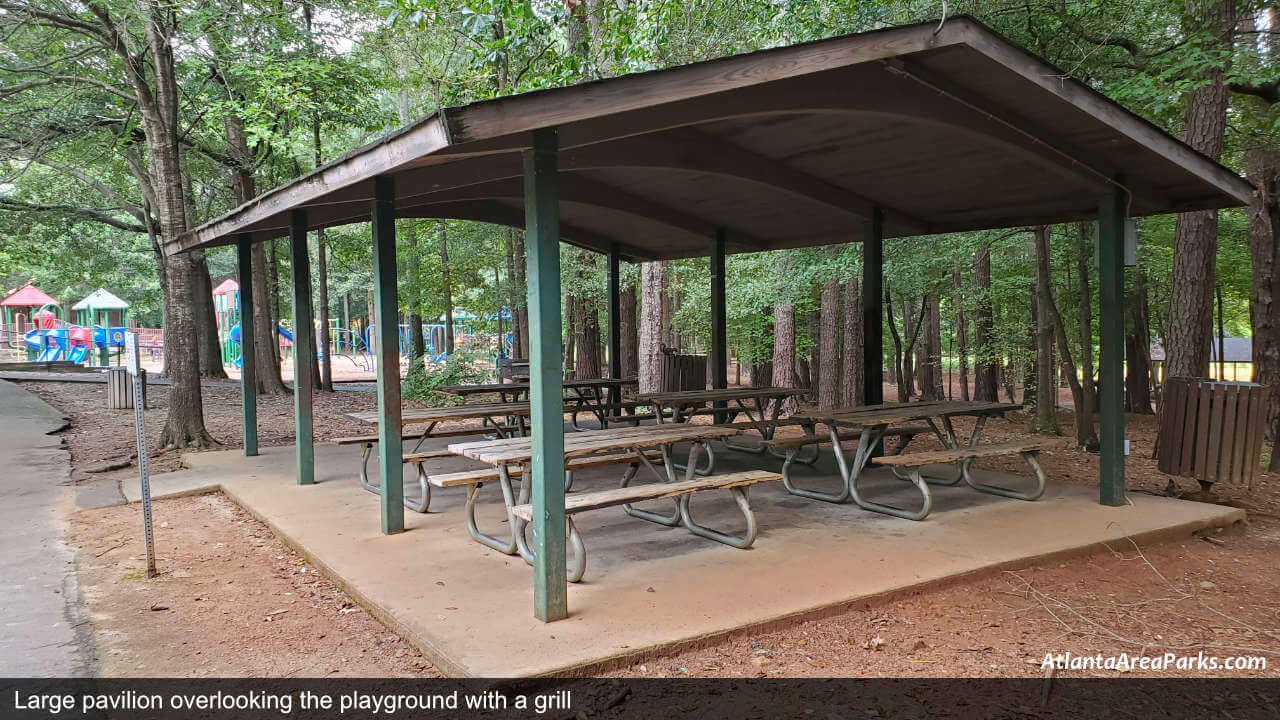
[914,130]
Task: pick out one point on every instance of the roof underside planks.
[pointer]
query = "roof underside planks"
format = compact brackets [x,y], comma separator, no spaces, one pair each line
[792,147]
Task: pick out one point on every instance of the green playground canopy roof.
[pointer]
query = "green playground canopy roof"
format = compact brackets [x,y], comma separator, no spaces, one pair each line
[101,299]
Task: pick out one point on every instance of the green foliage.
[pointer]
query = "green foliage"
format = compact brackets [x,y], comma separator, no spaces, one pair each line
[464,367]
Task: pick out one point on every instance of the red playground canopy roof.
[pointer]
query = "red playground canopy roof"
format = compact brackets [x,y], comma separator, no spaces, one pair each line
[27,296]
[227,287]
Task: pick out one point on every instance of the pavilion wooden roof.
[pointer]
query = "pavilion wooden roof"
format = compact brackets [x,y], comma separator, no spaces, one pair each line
[945,130]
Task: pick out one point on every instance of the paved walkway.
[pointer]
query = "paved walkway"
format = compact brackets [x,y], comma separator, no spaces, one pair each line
[42,633]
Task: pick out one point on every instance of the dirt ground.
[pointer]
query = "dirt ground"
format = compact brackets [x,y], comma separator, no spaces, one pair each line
[230,600]
[1219,595]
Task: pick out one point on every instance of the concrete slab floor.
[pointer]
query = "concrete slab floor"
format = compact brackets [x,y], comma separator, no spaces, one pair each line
[649,588]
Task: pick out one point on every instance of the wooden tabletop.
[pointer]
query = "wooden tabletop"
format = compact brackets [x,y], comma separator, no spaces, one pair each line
[524,386]
[507,451]
[687,397]
[410,416]
[906,412]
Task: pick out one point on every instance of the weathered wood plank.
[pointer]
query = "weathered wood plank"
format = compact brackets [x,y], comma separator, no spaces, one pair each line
[948,456]
[581,502]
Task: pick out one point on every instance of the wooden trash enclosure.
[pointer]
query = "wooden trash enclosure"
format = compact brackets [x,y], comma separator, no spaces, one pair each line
[683,372]
[120,389]
[1211,430]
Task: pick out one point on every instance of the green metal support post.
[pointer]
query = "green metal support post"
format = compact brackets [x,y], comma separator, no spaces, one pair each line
[387,305]
[546,379]
[248,360]
[1111,217]
[303,347]
[873,308]
[615,328]
[719,322]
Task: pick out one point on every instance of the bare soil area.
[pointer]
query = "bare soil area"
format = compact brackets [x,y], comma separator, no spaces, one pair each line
[214,611]
[230,600]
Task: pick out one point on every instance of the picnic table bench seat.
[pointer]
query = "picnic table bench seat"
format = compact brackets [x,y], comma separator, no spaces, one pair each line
[424,498]
[1029,450]
[736,483]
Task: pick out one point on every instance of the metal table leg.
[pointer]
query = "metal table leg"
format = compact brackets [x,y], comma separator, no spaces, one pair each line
[1032,458]
[742,541]
[509,545]
[866,443]
[673,519]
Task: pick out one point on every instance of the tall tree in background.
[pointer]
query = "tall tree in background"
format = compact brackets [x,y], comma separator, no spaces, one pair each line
[651,326]
[1195,240]
[1046,392]
[829,343]
[986,366]
[853,369]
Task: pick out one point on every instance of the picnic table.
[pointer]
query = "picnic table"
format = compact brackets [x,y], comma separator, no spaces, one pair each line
[872,422]
[594,395]
[762,406]
[632,446]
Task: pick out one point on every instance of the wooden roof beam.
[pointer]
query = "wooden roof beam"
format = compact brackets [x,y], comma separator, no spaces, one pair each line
[575,188]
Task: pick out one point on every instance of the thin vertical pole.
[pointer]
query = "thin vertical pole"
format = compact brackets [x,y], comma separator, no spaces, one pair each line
[615,328]
[873,308]
[719,315]
[304,340]
[248,356]
[1111,212]
[542,240]
[387,304]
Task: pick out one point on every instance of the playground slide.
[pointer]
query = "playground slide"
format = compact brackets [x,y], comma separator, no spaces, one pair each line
[50,354]
[77,354]
[33,340]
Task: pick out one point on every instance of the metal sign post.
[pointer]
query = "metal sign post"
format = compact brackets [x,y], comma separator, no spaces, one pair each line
[144,465]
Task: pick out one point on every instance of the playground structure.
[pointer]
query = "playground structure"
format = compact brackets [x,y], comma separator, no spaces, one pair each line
[47,336]
[226,312]
[355,343]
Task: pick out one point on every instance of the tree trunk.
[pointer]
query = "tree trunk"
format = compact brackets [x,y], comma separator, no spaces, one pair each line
[522,312]
[1263,167]
[650,362]
[208,347]
[1046,421]
[1137,382]
[1086,435]
[828,345]
[962,335]
[931,368]
[448,287]
[1195,239]
[515,294]
[322,271]
[784,351]
[1089,399]
[1031,368]
[853,369]
[986,364]
[265,346]
[629,333]
[588,363]
[570,333]
[907,365]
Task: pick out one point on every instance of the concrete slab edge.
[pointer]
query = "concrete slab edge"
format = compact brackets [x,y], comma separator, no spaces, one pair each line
[1230,517]
[1227,518]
